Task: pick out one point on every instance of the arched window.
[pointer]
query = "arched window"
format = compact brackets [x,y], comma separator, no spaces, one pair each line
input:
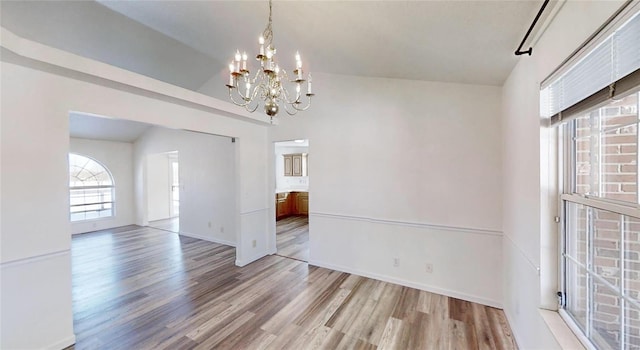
[91,189]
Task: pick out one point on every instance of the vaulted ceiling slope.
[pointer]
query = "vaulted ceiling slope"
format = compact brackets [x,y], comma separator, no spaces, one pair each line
[89,29]
[93,127]
[188,42]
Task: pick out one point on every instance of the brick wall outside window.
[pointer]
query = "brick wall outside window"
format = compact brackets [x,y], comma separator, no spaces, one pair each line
[606,166]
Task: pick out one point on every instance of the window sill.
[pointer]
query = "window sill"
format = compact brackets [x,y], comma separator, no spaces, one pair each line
[561,331]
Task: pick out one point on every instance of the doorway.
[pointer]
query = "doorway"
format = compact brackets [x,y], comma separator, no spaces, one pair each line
[163,191]
[292,199]
[175,187]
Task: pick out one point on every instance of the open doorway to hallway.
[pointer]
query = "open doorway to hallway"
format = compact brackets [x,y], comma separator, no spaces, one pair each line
[162,181]
[292,199]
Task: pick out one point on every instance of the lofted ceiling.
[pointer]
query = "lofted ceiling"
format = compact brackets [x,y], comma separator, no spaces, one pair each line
[189,42]
[86,126]
[454,41]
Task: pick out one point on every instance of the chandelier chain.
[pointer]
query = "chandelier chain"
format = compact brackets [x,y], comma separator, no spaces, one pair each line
[268,31]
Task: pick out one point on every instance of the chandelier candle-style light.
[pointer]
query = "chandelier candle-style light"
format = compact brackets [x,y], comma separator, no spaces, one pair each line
[268,82]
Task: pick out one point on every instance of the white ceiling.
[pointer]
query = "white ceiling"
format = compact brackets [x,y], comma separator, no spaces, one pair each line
[87,126]
[453,41]
[294,143]
[187,43]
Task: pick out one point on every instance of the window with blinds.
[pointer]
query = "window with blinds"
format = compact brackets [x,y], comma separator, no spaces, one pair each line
[608,70]
[595,101]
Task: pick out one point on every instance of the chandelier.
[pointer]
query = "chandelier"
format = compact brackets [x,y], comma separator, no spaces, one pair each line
[268,83]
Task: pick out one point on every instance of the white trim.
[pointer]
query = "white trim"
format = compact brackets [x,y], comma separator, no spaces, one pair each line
[564,335]
[59,58]
[632,210]
[208,239]
[62,344]
[533,265]
[480,231]
[245,262]
[576,330]
[517,338]
[35,258]
[254,211]
[402,282]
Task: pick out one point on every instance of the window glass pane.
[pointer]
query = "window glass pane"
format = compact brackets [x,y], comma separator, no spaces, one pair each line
[91,215]
[632,258]
[606,245]
[586,154]
[577,232]
[77,216]
[85,171]
[106,213]
[632,327]
[576,277]
[605,318]
[606,151]
[619,149]
[91,189]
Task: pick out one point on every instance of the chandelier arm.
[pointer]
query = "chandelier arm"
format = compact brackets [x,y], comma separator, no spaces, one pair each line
[259,74]
[286,92]
[251,110]
[304,108]
[295,110]
[286,97]
[245,103]
[262,88]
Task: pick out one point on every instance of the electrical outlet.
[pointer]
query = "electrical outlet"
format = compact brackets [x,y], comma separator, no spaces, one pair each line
[221,229]
[429,268]
[209,224]
[253,243]
[396,262]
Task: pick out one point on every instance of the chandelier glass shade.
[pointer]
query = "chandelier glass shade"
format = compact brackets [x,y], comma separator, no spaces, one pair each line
[268,82]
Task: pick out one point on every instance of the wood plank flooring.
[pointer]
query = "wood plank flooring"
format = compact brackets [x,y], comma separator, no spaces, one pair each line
[292,237]
[171,224]
[143,288]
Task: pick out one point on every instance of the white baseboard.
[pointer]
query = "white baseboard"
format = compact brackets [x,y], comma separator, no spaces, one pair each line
[402,282]
[517,338]
[64,343]
[245,262]
[208,239]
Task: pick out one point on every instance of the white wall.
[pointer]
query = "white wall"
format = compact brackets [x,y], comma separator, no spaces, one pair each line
[529,196]
[118,158]
[405,169]
[158,187]
[289,183]
[207,181]
[36,100]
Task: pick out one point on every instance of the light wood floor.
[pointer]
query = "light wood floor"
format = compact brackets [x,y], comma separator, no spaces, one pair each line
[143,288]
[292,237]
[171,224]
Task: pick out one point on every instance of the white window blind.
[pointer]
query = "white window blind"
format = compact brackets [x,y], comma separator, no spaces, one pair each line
[609,70]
